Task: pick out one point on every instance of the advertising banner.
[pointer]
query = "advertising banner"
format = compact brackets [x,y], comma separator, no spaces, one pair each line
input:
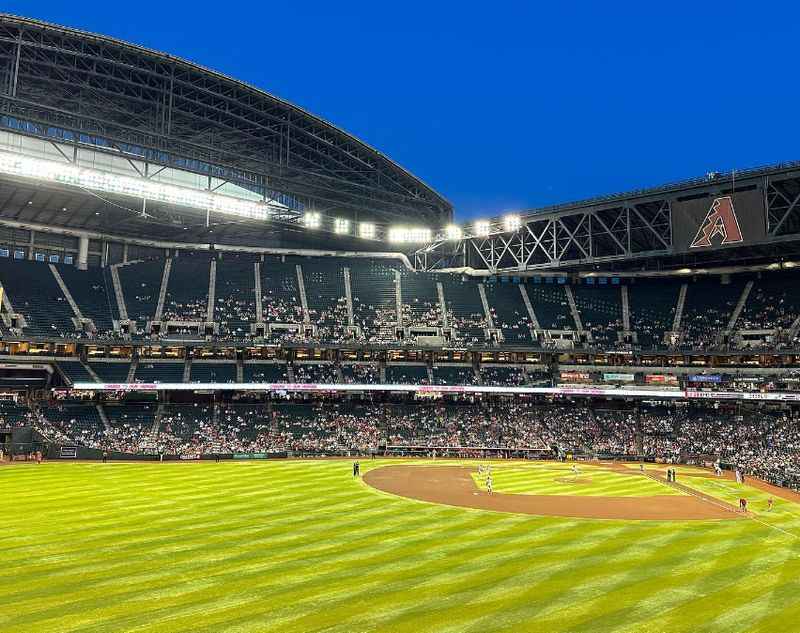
[575,376]
[661,379]
[705,378]
[618,377]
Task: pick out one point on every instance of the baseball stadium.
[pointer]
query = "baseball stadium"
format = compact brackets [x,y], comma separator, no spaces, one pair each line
[256,376]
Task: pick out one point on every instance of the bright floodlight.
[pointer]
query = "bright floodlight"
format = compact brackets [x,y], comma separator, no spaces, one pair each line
[512,223]
[398,234]
[312,220]
[96,180]
[482,228]
[341,226]
[420,235]
[366,231]
[453,232]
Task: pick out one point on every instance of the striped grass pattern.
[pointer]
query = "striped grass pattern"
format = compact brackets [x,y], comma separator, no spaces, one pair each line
[559,479]
[302,546]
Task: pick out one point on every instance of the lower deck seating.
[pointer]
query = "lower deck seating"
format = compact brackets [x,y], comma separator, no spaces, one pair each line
[361,374]
[111,371]
[14,415]
[407,375]
[495,376]
[265,372]
[75,371]
[154,371]
[212,372]
[79,422]
[323,373]
[453,375]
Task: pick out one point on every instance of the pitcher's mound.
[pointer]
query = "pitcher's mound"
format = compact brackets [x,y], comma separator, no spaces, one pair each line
[573,480]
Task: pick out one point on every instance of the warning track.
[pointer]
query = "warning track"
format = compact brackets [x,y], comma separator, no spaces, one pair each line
[454,486]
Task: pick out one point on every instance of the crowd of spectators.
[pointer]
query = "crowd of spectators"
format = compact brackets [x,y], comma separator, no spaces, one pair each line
[763,442]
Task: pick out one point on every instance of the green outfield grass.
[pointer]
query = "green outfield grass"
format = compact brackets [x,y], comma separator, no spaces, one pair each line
[301,546]
[559,479]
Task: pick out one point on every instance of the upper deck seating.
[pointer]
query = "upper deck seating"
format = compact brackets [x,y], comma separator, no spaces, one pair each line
[600,308]
[93,292]
[187,290]
[326,297]
[372,283]
[709,305]
[141,285]
[407,375]
[509,312]
[550,304]
[465,310]
[652,305]
[235,295]
[34,293]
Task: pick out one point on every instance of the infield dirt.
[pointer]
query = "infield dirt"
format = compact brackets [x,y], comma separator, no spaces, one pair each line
[453,485]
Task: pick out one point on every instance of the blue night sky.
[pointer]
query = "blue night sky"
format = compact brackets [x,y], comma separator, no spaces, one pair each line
[503,106]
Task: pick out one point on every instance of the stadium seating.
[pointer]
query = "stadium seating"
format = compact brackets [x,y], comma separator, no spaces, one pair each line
[154,371]
[453,375]
[141,285]
[652,309]
[499,376]
[323,373]
[93,293]
[772,303]
[509,313]
[464,310]
[80,423]
[362,374]
[374,298]
[407,374]
[420,300]
[13,414]
[265,372]
[279,292]
[235,298]
[34,293]
[75,371]
[600,309]
[111,371]
[709,305]
[212,372]
[326,297]
[187,290]
[550,305]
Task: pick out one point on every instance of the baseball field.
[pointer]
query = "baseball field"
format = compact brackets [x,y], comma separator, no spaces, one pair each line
[305,546]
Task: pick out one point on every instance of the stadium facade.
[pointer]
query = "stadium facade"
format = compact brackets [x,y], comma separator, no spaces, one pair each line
[172,234]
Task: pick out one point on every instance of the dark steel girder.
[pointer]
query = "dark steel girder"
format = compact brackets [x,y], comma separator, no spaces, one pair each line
[128,95]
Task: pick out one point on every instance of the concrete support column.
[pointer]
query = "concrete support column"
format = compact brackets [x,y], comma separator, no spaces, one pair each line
[83,252]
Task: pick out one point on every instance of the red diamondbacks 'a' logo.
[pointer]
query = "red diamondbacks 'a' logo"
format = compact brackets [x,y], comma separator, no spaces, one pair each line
[721,220]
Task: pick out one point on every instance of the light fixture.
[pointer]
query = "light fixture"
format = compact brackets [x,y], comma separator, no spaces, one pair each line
[311,220]
[95,180]
[512,223]
[453,232]
[398,234]
[419,234]
[482,228]
[341,226]
[366,231]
